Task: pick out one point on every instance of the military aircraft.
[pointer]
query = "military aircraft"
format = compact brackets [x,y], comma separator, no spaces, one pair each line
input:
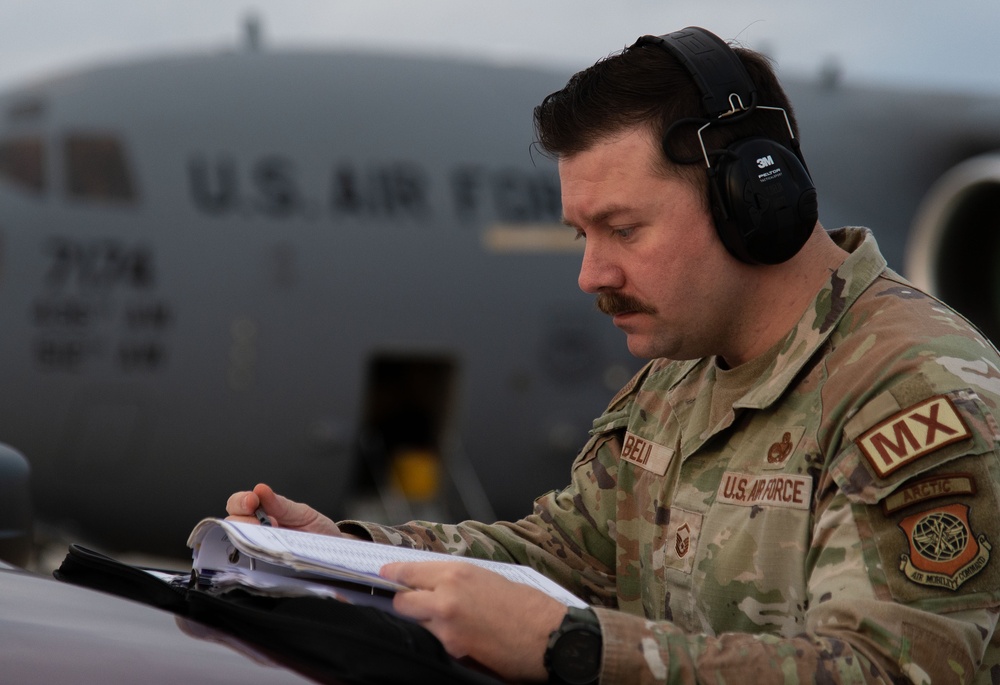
[286,267]
[318,268]
[922,169]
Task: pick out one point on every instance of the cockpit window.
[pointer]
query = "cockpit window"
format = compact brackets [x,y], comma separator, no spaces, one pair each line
[22,162]
[96,169]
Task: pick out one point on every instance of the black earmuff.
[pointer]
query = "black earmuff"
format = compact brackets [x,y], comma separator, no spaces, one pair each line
[762,198]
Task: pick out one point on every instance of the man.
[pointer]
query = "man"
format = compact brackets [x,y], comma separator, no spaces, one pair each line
[800,487]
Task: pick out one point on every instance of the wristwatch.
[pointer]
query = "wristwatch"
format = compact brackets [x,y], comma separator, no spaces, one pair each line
[573,655]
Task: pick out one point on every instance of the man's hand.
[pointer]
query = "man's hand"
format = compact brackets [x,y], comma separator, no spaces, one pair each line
[476,613]
[282,511]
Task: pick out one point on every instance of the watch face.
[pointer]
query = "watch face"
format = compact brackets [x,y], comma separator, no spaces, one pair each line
[576,658]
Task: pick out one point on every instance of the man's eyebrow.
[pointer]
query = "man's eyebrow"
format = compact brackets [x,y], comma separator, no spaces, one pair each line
[599,217]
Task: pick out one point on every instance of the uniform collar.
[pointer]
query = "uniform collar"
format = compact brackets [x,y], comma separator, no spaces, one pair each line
[859,270]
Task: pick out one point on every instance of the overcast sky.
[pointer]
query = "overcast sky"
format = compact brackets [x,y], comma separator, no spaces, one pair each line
[937,43]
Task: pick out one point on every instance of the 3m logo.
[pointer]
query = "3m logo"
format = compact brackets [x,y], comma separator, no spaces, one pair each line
[765,162]
[911,434]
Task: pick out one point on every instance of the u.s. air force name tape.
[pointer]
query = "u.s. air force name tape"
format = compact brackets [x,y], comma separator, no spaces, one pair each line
[792,491]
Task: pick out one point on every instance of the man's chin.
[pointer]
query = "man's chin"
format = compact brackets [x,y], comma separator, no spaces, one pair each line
[640,347]
[645,347]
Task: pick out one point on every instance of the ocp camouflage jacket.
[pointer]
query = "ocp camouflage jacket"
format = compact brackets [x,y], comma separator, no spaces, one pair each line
[835,524]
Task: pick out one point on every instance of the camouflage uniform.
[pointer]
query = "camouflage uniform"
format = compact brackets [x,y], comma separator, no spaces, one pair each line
[831,521]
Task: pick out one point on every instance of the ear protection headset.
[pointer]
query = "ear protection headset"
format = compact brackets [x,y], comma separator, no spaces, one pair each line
[762,198]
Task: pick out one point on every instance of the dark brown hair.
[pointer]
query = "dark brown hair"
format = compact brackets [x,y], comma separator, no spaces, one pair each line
[646,86]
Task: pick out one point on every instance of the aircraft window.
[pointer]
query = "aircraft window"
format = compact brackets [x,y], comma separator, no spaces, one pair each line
[96,169]
[22,161]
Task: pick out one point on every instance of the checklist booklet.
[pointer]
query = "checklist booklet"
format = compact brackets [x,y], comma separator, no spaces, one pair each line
[288,562]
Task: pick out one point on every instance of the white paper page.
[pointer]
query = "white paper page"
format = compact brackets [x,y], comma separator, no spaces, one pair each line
[281,585]
[367,558]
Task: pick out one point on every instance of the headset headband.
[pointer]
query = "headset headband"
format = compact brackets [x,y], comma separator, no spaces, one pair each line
[725,85]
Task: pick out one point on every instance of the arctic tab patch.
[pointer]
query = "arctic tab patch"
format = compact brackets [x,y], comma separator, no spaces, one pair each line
[645,454]
[911,434]
[945,485]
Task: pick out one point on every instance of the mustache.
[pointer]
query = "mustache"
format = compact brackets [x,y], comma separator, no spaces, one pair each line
[617,303]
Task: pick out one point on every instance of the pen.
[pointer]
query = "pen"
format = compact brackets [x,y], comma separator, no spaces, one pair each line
[262,517]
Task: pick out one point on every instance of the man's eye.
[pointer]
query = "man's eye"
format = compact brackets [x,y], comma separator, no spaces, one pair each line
[624,232]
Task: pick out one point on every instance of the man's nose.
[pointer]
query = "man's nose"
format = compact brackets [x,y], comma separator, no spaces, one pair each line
[598,272]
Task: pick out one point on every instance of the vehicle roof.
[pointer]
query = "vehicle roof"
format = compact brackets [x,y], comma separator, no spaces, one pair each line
[54,632]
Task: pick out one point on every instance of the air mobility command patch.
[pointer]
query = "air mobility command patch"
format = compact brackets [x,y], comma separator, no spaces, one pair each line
[922,474]
[935,538]
[935,533]
[944,550]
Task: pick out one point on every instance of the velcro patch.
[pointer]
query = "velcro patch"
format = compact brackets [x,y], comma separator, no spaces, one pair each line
[916,492]
[680,542]
[791,491]
[912,433]
[645,454]
[944,551]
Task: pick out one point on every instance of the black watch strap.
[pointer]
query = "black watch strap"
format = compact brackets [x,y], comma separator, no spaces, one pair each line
[573,654]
